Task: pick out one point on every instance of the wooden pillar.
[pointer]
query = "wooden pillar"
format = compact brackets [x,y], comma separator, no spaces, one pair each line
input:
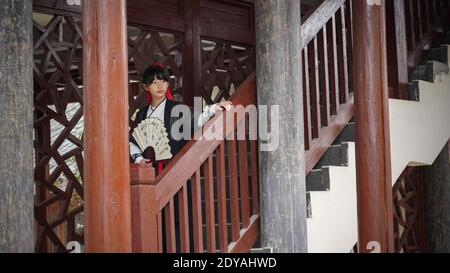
[373,163]
[282,171]
[192,73]
[16,127]
[437,203]
[107,174]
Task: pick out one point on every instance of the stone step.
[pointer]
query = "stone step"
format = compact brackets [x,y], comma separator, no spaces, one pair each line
[427,73]
[347,135]
[446,39]
[438,54]
[336,155]
[318,180]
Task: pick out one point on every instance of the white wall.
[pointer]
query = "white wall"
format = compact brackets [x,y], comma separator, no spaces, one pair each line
[419,130]
[333,226]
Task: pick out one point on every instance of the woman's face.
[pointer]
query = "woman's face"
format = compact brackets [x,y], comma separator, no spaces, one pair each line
[157,88]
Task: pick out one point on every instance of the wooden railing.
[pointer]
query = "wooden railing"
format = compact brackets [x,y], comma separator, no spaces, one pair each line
[327,62]
[418,25]
[207,191]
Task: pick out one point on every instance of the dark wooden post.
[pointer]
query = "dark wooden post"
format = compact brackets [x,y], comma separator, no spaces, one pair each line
[437,203]
[282,172]
[107,174]
[192,63]
[373,163]
[16,127]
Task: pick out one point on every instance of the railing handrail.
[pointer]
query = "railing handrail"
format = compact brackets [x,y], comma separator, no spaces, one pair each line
[318,19]
[195,152]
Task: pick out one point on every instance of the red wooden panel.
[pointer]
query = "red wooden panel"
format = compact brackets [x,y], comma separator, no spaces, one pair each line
[167,14]
[227,14]
[228,21]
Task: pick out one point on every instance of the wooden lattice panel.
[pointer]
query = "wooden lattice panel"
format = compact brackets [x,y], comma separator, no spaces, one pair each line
[224,67]
[58,108]
[408,212]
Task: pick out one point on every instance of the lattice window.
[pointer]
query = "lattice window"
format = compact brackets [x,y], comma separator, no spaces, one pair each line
[408,212]
[58,109]
[225,67]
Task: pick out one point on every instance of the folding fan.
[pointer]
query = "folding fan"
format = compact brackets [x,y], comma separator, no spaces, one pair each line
[151,132]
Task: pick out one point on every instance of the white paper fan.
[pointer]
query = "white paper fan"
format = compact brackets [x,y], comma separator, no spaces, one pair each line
[152,132]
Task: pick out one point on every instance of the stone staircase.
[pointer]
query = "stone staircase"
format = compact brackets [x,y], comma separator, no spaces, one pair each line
[420,127]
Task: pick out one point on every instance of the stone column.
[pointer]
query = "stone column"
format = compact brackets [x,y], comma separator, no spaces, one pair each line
[16,127]
[437,203]
[282,171]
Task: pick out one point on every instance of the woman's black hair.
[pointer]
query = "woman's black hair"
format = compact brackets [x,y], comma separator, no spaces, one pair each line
[154,72]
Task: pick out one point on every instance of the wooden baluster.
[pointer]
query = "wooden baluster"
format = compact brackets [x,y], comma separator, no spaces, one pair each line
[324,84]
[209,203]
[419,19]
[425,6]
[170,228]
[334,77]
[349,47]
[314,85]
[234,191]
[438,7]
[342,56]
[412,24]
[184,220]
[159,232]
[306,100]
[243,182]
[197,213]
[222,198]
[345,55]
[434,11]
[401,45]
[255,173]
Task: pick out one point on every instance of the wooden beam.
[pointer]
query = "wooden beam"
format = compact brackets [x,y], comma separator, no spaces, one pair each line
[373,163]
[107,173]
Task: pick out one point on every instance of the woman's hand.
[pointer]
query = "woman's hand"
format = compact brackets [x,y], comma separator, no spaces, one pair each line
[145,162]
[225,106]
